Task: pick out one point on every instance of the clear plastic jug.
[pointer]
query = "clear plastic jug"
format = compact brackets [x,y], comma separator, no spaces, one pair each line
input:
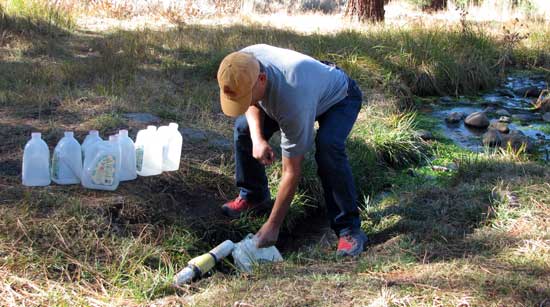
[102,166]
[127,156]
[171,140]
[247,255]
[36,162]
[89,140]
[148,152]
[66,165]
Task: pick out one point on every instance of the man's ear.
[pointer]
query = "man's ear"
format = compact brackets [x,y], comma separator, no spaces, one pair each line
[262,77]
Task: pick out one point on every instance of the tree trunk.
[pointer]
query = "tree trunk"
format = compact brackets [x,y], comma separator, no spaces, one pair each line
[366,10]
[435,5]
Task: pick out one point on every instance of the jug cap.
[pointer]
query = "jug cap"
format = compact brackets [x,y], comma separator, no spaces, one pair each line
[173,125]
[36,135]
[151,127]
[94,132]
[69,134]
[123,132]
[113,137]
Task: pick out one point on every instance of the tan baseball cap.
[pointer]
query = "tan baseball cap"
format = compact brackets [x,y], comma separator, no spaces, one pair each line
[237,75]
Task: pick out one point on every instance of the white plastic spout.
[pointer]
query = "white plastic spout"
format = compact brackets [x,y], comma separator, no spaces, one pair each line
[69,134]
[173,126]
[94,132]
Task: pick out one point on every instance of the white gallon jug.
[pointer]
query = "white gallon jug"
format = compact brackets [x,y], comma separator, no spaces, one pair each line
[148,152]
[89,140]
[171,140]
[36,162]
[127,156]
[67,160]
[102,166]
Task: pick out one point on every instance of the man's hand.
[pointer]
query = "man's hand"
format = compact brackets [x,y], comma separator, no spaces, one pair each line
[261,151]
[267,235]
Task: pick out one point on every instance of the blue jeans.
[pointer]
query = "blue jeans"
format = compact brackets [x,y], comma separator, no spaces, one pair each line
[332,161]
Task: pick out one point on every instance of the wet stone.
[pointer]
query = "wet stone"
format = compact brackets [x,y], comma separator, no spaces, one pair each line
[524,118]
[454,117]
[504,119]
[492,138]
[500,127]
[517,141]
[546,117]
[477,120]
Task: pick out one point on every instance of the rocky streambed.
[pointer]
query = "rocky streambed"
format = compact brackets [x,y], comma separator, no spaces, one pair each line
[515,115]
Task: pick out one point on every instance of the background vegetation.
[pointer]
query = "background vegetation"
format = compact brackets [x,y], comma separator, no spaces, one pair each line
[476,235]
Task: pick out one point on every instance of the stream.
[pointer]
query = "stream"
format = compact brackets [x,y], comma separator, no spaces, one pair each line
[510,105]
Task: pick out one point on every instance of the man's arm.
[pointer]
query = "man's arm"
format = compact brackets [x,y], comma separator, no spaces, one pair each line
[254,117]
[292,169]
[261,150]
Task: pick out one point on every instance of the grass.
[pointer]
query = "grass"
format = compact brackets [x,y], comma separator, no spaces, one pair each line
[475,235]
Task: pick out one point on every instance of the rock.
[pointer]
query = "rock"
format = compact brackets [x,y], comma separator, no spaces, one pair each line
[506,93]
[500,127]
[492,138]
[504,119]
[192,135]
[517,141]
[543,105]
[477,120]
[454,117]
[529,91]
[424,135]
[546,117]
[502,112]
[142,118]
[524,118]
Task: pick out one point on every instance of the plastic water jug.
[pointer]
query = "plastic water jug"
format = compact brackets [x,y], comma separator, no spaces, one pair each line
[247,255]
[148,152]
[171,140]
[67,160]
[102,166]
[127,156]
[89,140]
[36,162]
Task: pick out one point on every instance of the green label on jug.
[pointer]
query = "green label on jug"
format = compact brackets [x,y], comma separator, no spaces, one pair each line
[104,171]
[139,158]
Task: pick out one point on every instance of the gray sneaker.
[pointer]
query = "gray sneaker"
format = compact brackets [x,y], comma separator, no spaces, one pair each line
[351,244]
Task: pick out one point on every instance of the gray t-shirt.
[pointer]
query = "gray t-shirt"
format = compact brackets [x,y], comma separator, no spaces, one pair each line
[299,89]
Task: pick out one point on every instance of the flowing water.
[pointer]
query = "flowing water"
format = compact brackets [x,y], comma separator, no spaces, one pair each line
[508,98]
